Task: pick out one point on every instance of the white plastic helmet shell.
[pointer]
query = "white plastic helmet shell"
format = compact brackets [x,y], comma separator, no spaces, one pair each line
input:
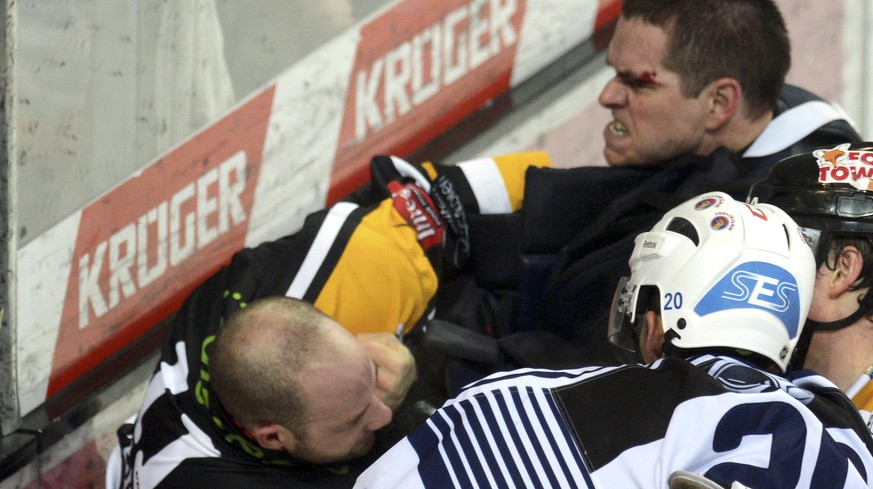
[746,284]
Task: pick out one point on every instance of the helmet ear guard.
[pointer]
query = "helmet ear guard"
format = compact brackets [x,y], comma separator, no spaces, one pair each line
[728,275]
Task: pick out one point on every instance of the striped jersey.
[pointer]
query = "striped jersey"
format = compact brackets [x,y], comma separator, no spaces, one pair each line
[632,426]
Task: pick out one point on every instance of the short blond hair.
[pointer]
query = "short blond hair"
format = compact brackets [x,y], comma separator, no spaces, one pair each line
[255,358]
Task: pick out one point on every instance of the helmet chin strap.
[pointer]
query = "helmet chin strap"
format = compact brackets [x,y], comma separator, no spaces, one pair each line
[865,306]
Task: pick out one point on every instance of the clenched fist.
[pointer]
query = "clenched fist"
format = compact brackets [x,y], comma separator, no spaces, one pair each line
[395,364]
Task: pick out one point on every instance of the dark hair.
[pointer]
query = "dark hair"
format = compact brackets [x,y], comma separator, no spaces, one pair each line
[835,245]
[710,39]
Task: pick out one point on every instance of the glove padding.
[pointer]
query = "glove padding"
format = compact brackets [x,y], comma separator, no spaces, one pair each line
[457,247]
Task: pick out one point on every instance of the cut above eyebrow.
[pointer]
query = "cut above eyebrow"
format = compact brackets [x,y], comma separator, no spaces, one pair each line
[642,79]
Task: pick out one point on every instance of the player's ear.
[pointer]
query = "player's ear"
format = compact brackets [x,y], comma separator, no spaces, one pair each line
[653,337]
[848,265]
[725,96]
[274,437]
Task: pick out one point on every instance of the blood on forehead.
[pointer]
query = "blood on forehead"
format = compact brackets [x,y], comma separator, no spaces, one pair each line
[644,79]
[648,77]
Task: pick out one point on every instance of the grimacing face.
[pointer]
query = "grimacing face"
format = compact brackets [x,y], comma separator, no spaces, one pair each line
[344,411]
[652,120]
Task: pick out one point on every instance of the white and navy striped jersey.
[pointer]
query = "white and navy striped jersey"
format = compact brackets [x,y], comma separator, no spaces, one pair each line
[631,427]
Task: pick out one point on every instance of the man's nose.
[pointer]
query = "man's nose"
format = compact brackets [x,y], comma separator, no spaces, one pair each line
[381,415]
[614,94]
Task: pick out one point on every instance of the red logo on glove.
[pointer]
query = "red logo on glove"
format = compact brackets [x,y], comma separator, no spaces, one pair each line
[419,211]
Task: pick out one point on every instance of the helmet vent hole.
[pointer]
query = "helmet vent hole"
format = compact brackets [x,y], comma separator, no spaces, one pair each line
[685,228]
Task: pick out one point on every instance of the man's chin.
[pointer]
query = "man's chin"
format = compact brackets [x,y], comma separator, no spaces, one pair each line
[617,159]
[365,447]
[362,449]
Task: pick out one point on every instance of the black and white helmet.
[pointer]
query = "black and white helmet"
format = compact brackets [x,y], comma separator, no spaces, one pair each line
[727,275]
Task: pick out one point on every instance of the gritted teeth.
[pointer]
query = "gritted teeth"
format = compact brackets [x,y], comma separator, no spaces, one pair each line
[618,128]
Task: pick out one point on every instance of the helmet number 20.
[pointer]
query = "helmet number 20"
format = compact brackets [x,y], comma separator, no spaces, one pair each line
[672,300]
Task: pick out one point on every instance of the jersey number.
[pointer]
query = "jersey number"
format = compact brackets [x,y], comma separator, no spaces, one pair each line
[788,443]
[672,301]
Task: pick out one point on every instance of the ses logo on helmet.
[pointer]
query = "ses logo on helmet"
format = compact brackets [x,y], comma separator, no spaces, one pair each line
[757,285]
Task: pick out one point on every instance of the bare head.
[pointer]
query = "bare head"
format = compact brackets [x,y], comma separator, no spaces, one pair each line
[297,381]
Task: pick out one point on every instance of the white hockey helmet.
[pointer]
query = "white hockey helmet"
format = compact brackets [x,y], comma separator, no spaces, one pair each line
[727,274]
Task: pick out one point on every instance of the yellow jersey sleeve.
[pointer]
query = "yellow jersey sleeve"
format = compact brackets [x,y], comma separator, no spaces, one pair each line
[496,183]
[383,281]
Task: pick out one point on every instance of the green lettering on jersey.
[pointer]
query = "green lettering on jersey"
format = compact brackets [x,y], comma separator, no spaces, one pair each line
[246,445]
[200,391]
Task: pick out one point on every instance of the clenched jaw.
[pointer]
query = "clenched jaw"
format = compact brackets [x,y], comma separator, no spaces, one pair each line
[618,128]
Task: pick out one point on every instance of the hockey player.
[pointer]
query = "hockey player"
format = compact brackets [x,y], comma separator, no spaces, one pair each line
[683,121]
[371,264]
[827,191]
